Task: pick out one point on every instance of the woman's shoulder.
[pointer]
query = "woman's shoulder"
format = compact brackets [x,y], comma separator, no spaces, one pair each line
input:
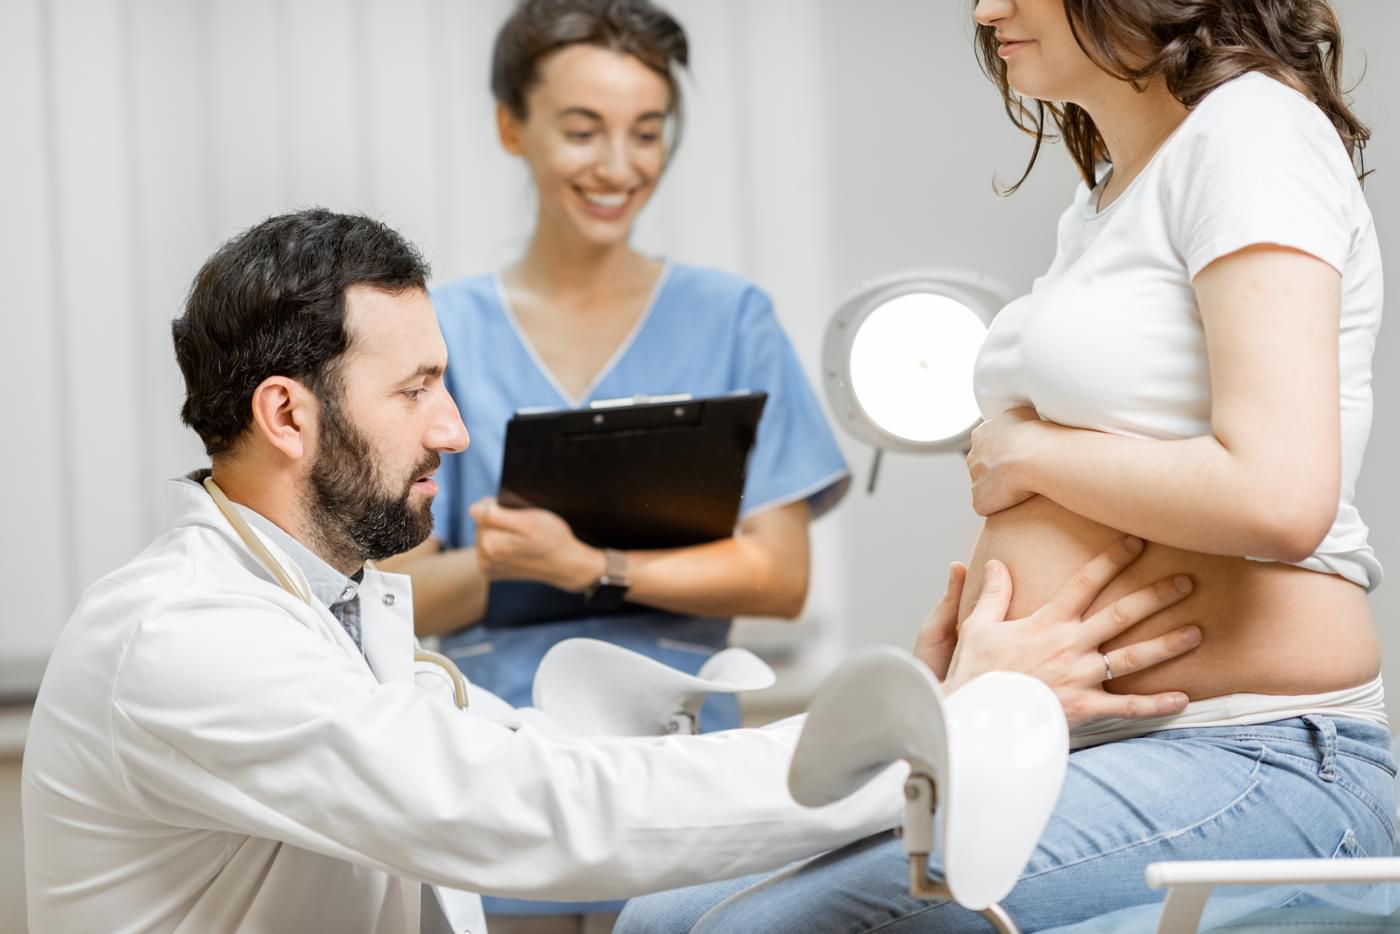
[712,288]
[1255,103]
[1256,133]
[479,294]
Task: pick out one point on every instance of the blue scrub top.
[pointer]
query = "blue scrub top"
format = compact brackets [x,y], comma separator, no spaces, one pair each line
[705,333]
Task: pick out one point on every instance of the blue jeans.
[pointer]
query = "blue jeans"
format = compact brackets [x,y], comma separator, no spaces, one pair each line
[1307,787]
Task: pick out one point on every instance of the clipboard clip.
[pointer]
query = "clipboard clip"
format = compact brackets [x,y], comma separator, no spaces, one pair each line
[641,399]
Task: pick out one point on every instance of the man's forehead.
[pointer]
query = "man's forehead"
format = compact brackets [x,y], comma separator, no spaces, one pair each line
[394,324]
[368,306]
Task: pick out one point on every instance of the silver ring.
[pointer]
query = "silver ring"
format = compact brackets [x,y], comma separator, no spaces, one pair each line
[1107,669]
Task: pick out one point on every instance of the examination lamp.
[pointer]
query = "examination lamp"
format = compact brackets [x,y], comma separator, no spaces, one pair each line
[898,357]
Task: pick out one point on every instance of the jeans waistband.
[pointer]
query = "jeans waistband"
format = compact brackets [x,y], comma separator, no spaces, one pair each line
[1328,737]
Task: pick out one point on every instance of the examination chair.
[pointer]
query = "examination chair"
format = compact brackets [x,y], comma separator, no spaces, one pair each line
[985,767]
[595,688]
[988,763]
[992,757]
[586,687]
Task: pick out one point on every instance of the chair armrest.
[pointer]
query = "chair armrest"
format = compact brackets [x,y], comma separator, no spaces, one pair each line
[1189,883]
[1272,872]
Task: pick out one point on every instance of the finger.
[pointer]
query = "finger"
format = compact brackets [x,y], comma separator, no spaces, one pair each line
[943,618]
[957,578]
[1127,706]
[480,511]
[515,519]
[1071,600]
[1127,659]
[939,634]
[995,598]
[490,542]
[1135,607]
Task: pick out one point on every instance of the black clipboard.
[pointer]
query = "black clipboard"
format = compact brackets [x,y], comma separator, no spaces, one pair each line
[659,473]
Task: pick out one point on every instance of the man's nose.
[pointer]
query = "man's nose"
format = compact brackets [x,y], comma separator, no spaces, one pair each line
[448,433]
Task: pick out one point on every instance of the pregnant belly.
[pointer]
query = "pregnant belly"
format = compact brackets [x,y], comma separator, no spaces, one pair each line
[1269,628]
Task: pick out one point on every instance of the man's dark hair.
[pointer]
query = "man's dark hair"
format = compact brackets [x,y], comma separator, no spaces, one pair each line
[271,302]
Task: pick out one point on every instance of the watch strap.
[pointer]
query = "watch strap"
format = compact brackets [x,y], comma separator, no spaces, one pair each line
[609,590]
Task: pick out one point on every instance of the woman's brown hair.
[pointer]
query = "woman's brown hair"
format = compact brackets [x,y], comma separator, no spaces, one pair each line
[631,27]
[1195,46]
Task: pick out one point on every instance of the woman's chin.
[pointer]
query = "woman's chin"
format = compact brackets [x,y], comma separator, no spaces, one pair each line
[604,236]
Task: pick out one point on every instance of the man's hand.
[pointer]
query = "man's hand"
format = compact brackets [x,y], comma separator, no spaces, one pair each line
[532,544]
[938,637]
[1056,643]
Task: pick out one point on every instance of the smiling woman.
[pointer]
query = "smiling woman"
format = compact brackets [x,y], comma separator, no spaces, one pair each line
[587,98]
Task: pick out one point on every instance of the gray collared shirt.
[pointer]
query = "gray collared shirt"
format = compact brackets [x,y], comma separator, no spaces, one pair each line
[339,593]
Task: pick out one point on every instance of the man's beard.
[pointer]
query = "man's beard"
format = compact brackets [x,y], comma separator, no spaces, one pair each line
[351,513]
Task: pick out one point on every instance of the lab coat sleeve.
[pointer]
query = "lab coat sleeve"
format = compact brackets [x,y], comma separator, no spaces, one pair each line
[230,716]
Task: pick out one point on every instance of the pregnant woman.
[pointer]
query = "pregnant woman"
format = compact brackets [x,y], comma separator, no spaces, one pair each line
[1194,368]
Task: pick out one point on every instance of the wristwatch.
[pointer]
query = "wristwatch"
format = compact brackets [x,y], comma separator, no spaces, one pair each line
[609,590]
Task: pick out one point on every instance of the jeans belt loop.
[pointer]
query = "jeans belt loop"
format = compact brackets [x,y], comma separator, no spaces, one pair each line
[1327,770]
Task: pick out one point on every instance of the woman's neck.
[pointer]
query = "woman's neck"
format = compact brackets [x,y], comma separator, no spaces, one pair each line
[1133,123]
[557,263]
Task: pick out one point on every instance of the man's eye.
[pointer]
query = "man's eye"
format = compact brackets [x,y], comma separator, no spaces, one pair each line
[579,136]
[415,393]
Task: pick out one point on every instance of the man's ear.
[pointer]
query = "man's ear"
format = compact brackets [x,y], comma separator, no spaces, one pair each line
[509,129]
[284,414]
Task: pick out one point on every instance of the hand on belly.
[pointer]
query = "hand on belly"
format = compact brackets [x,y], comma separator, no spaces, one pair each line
[1059,643]
[1268,628]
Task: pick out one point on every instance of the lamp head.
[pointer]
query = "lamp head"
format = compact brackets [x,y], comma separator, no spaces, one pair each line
[898,358]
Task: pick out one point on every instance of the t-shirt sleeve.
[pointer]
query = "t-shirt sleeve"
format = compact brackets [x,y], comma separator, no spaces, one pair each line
[1262,166]
[795,456]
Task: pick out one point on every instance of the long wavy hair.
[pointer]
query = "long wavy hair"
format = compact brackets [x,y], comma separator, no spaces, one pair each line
[1195,46]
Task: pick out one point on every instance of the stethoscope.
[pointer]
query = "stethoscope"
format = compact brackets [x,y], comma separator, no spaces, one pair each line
[285,581]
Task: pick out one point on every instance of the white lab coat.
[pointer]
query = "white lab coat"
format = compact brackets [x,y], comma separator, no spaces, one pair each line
[208,753]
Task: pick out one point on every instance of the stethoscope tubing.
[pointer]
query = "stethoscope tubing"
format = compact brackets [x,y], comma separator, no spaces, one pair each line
[285,581]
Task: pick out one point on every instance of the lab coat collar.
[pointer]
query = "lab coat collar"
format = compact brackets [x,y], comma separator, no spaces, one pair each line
[327,583]
[386,600]
[386,614]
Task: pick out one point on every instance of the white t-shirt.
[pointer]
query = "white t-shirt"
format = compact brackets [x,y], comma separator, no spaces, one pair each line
[1110,337]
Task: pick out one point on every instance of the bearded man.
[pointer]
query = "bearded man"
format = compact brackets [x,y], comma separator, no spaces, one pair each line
[233,733]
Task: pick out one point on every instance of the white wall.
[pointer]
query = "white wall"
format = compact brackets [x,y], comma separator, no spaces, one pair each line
[829,143]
